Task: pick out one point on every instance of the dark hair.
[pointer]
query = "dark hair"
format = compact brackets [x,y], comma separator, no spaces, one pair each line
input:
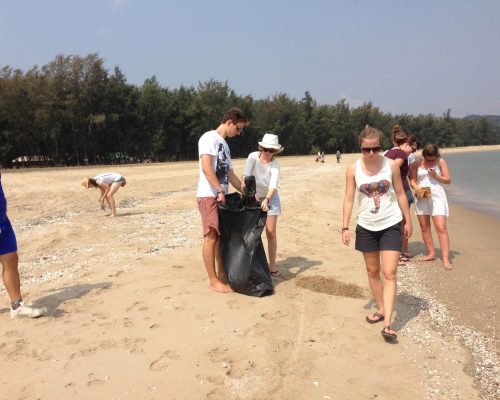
[235,115]
[398,135]
[431,150]
[412,140]
[92,182]
[370,133]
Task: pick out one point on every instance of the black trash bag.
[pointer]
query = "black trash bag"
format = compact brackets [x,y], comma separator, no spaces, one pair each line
[241,222]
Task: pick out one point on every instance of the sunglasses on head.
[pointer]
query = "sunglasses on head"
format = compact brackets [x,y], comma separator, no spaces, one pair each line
[368,150]
[269,150]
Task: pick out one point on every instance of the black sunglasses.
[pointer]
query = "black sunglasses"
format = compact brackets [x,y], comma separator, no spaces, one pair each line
[269,150]
[371,149]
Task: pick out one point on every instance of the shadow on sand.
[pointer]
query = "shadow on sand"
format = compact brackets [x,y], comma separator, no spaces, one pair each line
[407,308]
[61,295]
[301,263]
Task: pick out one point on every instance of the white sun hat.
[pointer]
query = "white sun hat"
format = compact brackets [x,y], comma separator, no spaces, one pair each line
[270,141]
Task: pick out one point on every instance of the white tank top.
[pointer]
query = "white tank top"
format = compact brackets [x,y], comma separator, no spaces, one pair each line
[378,207]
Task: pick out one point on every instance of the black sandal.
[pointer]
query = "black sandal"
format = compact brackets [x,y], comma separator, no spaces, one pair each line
[388,335]
[374,321]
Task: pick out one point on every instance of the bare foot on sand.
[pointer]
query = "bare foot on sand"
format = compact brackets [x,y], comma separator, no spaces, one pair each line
[220,287]
[447,266]
[427,258]
[223,278]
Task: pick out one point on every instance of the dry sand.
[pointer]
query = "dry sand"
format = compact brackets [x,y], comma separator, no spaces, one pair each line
[130,315]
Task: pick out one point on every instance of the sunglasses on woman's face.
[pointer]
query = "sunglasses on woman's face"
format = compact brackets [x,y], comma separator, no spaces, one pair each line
[369,150]
[269,150]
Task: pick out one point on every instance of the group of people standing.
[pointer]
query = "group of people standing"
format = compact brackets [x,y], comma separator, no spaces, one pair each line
[216,172]
[383,184]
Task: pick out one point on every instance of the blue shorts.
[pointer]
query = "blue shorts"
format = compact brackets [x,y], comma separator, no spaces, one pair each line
[8,243]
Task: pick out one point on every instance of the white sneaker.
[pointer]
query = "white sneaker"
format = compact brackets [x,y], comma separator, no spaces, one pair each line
[25,311]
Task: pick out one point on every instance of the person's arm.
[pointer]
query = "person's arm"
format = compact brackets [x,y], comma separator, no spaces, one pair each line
[419,192]
[445,177]
[206,167]
[350,190]
[104,188]
[247,171]
[273,184]
[399,162]
[402,199]
[235,181]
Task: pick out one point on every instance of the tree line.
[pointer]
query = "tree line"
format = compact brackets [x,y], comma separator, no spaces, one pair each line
[72,111]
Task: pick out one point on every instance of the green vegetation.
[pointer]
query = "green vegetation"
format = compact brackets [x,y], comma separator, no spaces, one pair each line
[73,111]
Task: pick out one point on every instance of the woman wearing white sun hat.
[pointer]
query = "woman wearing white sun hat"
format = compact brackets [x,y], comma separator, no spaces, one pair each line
[265,168]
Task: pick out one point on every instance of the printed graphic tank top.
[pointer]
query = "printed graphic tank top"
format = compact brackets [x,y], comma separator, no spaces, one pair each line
[378,207]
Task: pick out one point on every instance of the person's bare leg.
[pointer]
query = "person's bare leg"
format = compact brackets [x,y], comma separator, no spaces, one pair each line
[444,239]
[389,270]
[10,275]
[425,226]
[272,241]
[372,263]
[209,251]
[221,273]
[110,199]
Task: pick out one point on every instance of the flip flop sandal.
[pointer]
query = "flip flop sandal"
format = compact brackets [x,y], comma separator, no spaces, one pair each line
[388,335]
[276,273]
[403,258]
[377,315]
[407,255]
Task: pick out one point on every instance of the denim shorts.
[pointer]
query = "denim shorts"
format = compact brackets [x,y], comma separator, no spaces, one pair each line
[274,204]
[409,196]
[387,239]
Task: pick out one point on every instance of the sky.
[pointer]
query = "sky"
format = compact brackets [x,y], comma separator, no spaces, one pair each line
[406,57]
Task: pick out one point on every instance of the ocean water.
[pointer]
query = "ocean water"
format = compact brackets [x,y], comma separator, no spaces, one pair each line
[475,181]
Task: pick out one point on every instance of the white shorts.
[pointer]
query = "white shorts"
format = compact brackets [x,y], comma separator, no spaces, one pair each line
[433,206]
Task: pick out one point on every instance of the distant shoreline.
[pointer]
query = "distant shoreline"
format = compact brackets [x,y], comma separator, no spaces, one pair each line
[447,150]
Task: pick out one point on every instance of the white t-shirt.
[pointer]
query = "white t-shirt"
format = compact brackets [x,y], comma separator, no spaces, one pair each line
[108,177]
[214,144]
[266,175]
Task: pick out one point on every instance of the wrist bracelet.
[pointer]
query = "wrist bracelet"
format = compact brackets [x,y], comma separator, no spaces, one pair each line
[345,229]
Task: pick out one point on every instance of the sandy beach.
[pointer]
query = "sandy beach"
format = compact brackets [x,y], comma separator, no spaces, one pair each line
[130,315]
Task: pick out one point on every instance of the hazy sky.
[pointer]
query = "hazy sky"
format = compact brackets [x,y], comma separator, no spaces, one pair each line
[409,57]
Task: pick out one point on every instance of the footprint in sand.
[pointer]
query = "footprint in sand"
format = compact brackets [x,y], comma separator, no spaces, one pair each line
[137,306]
[272,315]
[161,363]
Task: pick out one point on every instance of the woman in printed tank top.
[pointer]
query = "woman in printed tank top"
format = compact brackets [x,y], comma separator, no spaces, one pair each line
[382,204]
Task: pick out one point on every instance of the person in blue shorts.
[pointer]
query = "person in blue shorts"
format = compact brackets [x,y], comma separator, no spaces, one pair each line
[9,261]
